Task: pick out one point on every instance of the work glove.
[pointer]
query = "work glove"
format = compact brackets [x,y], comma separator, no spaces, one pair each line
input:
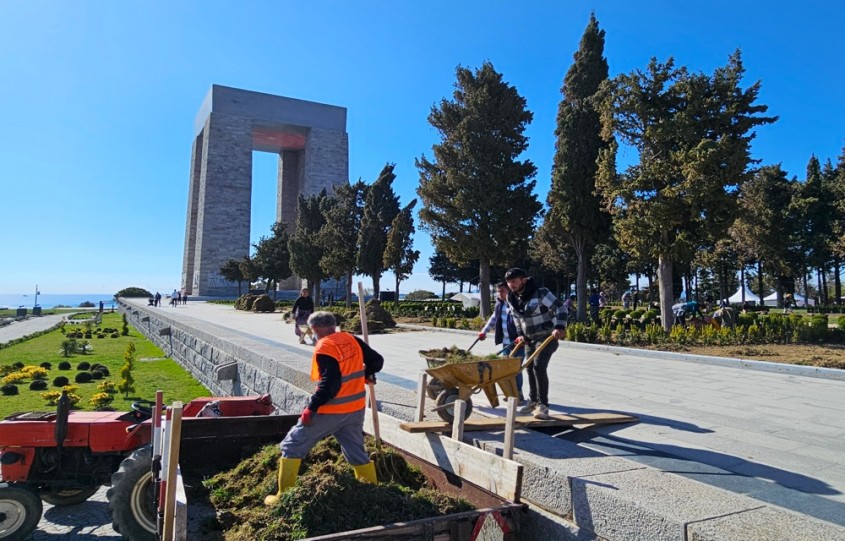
[305,418]
[519,340]
[482,335]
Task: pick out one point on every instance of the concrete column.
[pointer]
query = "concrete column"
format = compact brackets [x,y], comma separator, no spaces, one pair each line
[289,186]
[326,160]
[224,203]
[191,227]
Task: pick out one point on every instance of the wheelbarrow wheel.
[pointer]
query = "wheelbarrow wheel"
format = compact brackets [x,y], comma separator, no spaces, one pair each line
[447,398]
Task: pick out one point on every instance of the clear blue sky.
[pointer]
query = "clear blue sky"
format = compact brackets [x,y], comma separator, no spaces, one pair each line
[98,98]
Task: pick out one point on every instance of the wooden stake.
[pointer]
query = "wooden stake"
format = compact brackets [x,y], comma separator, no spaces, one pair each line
[172,460]
[510,418]
[459,408]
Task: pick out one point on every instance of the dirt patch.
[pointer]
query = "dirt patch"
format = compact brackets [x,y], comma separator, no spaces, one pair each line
[823,356]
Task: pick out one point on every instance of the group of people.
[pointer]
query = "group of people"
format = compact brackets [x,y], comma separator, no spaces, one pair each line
[342,365]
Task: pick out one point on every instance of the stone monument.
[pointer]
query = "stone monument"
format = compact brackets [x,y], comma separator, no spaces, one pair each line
[311,141]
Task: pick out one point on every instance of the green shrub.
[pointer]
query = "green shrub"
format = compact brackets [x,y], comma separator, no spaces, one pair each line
[64,365]
[60,381]
[96,374]
[840,322]
[18,365]
[38,385]
[133,292]
[84,365]
[83,377]
[46,365]
[10,389]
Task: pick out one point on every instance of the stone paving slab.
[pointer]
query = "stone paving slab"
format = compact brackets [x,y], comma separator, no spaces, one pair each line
[762,524]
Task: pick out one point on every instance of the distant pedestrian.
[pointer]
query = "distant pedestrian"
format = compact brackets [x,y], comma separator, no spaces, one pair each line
[173,298]
[594,306]
[571,309]
[636,299]
[302,308]
[626,300]
[157,299]
[682,309]
[184,296]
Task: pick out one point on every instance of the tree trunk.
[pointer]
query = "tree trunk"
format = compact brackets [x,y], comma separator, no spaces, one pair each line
[315,294]
[806,289]
[376,281]
[349,290]
[581,284]
[819,274]
[396,298]
[664,282]
[742,284]
[760,292]
[484,287]
[837,282]
[443,294]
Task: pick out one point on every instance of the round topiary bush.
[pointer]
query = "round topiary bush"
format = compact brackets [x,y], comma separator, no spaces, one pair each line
[9,389]
[46,365]
[103,370]
[18,365]
[60,381]
[115,335]
[38,385]
[64,365]
[83,377]
[84,365]
[96,374]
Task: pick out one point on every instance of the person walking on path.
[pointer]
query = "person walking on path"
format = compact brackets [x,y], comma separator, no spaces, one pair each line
[594,301]
[538,314]
[302,308]
[341,365]
[571,308]
[505,330]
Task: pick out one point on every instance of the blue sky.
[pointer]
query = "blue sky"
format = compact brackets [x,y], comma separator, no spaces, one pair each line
[98,99]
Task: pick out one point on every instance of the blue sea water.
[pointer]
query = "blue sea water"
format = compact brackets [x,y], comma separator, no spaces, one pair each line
[51,300]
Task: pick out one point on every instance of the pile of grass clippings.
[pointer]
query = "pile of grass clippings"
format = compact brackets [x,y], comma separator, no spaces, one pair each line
[326,499]
[455,355]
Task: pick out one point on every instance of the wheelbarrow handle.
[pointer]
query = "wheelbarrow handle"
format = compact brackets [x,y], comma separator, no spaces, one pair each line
[537,351]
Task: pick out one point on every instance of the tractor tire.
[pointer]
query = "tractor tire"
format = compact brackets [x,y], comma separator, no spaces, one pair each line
[131,497]
[447,398]
[69,496]
[20,511]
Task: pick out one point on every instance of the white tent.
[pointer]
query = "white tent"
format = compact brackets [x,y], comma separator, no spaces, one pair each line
[736,298]
[469,300]
[800,300]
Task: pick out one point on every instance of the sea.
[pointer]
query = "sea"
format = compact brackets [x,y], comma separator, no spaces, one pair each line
[51,300]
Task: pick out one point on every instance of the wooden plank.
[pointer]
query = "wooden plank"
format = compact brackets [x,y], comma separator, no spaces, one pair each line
[486,470]
[498,423]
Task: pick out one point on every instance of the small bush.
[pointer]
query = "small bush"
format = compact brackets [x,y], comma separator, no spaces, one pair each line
[107,387]
[64,365]
[46,365]
[103,370]
[18,365]
[83,377]
[15,377]
[60,381]
[115,335]
[96,374]
[101,401]
[84,365]
[38,385]
[9,389]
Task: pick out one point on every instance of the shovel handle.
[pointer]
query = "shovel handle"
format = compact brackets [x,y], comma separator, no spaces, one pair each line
[537,351]
[374,412]
[473,344]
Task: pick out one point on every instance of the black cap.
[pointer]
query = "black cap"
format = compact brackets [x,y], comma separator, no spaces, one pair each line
[515,272]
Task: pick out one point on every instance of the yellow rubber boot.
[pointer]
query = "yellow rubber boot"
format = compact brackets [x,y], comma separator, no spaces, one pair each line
[366,472]
[288,472]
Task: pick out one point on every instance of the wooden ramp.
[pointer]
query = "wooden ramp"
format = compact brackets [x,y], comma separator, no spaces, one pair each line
[524,421]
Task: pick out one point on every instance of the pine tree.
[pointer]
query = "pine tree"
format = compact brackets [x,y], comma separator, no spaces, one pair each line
[478,200]
[304,246]
[272,256]
[339,237]
[442,270]
[380,208]
[573,197]
[693,133]
[399,254]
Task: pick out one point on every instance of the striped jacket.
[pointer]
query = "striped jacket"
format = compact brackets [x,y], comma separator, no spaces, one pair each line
[536,311]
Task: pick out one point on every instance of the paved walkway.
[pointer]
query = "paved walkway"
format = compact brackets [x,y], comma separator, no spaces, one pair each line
[777,437]
[31,325]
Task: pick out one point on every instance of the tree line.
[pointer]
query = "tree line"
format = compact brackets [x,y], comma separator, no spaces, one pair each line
[359,229]
[694,207]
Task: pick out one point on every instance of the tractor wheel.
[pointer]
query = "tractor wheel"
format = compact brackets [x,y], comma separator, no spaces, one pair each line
[131,497]
[69,496]
[447,398]
[20,511]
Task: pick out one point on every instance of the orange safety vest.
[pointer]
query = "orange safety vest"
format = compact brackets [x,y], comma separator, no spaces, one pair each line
[344,348]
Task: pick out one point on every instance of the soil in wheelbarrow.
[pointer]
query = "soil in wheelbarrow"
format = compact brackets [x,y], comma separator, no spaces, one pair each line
[454,355]
[326,499]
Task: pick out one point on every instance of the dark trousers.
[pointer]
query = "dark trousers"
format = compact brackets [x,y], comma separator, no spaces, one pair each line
[538,375]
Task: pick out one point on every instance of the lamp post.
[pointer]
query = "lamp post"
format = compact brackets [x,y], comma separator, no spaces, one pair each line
[36,296]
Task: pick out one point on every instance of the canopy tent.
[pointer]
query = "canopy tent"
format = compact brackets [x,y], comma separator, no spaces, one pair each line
[800,300]
[468,300]
[736,298]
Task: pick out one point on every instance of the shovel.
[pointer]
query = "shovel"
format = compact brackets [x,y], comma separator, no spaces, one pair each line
[473,344]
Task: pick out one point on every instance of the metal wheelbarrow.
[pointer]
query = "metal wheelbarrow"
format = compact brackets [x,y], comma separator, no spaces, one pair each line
[462,380]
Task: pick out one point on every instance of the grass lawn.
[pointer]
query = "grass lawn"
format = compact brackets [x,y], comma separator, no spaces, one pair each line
[152,371]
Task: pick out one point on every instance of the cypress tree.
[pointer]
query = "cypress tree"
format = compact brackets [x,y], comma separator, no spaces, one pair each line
[380,208]
[573,197]
[339,237]
[399,254]
[305,250]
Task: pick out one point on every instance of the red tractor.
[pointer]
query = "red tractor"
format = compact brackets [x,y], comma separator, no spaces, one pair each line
[63,457]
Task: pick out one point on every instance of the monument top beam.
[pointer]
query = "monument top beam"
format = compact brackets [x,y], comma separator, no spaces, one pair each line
[269,109]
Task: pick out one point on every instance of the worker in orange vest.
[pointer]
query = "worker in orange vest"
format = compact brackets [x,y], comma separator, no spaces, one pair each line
[341,365]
